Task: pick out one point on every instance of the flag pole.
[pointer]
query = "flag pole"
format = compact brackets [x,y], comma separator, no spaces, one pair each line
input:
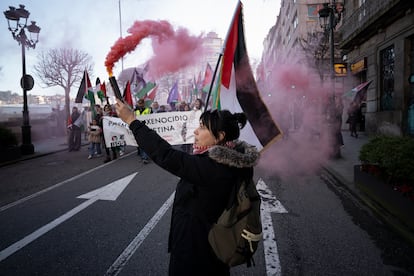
[212,80]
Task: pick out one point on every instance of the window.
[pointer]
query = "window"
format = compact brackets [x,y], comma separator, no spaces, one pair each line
[313,11]
[295,21]
[387,62]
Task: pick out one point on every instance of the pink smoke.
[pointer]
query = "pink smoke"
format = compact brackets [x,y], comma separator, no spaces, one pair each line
[173,50]
[298,103]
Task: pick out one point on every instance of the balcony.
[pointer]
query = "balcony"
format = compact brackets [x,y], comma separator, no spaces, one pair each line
[369,19]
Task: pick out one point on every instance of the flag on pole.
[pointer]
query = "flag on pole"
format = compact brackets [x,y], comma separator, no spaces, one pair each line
[173,96]
[150,97]
[238,91]
[147,88]
[127,94]
[84,87]
[101,90]
[152,93]
[208,77]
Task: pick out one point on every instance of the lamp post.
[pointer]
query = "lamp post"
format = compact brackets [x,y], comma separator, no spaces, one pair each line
[17,22]
[329,17]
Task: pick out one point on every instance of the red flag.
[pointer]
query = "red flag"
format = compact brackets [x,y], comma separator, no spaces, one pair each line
[127,94]
[238,90]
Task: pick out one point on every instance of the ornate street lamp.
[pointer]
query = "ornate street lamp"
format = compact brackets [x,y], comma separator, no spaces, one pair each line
[329,17]
[17,22]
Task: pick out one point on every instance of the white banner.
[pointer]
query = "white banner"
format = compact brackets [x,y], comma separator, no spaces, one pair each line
[175,127]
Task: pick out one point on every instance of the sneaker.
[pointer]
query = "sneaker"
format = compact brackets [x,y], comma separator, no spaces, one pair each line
[98,155]
[145,161]
[90,157]
[107,159]
[121,152]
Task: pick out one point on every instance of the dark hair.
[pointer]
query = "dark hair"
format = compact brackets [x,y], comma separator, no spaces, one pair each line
[223,120]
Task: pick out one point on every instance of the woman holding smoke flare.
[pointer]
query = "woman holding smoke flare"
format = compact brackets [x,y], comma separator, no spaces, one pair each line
[207,175]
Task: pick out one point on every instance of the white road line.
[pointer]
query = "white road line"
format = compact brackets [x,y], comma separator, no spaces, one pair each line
[269,205]
[108,192]
[44,229]
[17,202]
[122,260]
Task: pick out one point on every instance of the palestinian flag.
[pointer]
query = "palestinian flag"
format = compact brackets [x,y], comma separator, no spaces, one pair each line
[85,89]
[238,91]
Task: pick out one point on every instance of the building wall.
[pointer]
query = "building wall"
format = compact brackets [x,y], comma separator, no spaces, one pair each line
[377,38]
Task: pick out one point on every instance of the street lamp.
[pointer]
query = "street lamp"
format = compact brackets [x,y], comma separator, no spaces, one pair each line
[330,16]
[17,22]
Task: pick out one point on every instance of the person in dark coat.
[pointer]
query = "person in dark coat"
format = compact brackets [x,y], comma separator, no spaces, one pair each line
[207,178]
[74,127]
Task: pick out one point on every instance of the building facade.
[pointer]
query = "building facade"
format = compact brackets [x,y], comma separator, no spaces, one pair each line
[378,46]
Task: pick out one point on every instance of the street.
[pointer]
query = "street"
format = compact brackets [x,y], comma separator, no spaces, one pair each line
[63,214]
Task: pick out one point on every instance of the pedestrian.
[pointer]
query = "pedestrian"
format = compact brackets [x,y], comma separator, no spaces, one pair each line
[353,118]
[94,138]
[208,176]
[74,127]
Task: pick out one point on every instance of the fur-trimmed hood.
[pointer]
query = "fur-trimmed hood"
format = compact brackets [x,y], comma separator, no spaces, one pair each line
[242,155]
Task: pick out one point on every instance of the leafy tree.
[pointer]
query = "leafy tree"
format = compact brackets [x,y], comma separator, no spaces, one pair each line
[64,68]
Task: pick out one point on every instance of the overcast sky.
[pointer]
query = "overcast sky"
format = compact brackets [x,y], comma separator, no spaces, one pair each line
[94,26]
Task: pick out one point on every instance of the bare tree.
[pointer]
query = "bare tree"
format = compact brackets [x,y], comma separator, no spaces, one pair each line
[64,68]
[315,46]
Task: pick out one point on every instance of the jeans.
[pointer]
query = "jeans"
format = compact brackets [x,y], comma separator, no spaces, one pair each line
[94,147]
[142,153]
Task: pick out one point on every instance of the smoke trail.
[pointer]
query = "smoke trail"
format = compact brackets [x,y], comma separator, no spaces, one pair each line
[173,50]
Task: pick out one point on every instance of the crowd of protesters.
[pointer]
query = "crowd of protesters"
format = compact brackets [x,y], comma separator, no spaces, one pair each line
[90,121]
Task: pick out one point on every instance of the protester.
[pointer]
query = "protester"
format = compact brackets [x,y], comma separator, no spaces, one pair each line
[155,107]
[94,138]
[141,109]
[162,109]
[207,177]
[74,127]
[198,104]
[108,112]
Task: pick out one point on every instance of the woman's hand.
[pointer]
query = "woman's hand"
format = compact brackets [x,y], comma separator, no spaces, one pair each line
[124,112]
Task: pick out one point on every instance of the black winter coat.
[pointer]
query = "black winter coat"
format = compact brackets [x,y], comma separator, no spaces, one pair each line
[201,196]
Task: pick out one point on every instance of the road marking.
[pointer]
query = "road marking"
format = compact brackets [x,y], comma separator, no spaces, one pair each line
[269,205]
[108,192]
[122,260]
[17,202]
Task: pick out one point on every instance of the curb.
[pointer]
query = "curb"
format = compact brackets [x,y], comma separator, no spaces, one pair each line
[364,198]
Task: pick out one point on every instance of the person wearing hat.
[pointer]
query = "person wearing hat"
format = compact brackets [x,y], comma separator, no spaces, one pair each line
[141,109]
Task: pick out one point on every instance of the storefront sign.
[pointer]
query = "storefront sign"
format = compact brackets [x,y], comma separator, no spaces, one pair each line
[359,66]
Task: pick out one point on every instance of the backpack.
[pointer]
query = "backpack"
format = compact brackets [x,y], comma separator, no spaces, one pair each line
[236,235]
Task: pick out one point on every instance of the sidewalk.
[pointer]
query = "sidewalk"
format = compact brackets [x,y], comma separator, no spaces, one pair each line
[343,168]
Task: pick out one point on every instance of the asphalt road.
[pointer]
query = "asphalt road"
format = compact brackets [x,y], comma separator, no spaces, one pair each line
[59,217]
